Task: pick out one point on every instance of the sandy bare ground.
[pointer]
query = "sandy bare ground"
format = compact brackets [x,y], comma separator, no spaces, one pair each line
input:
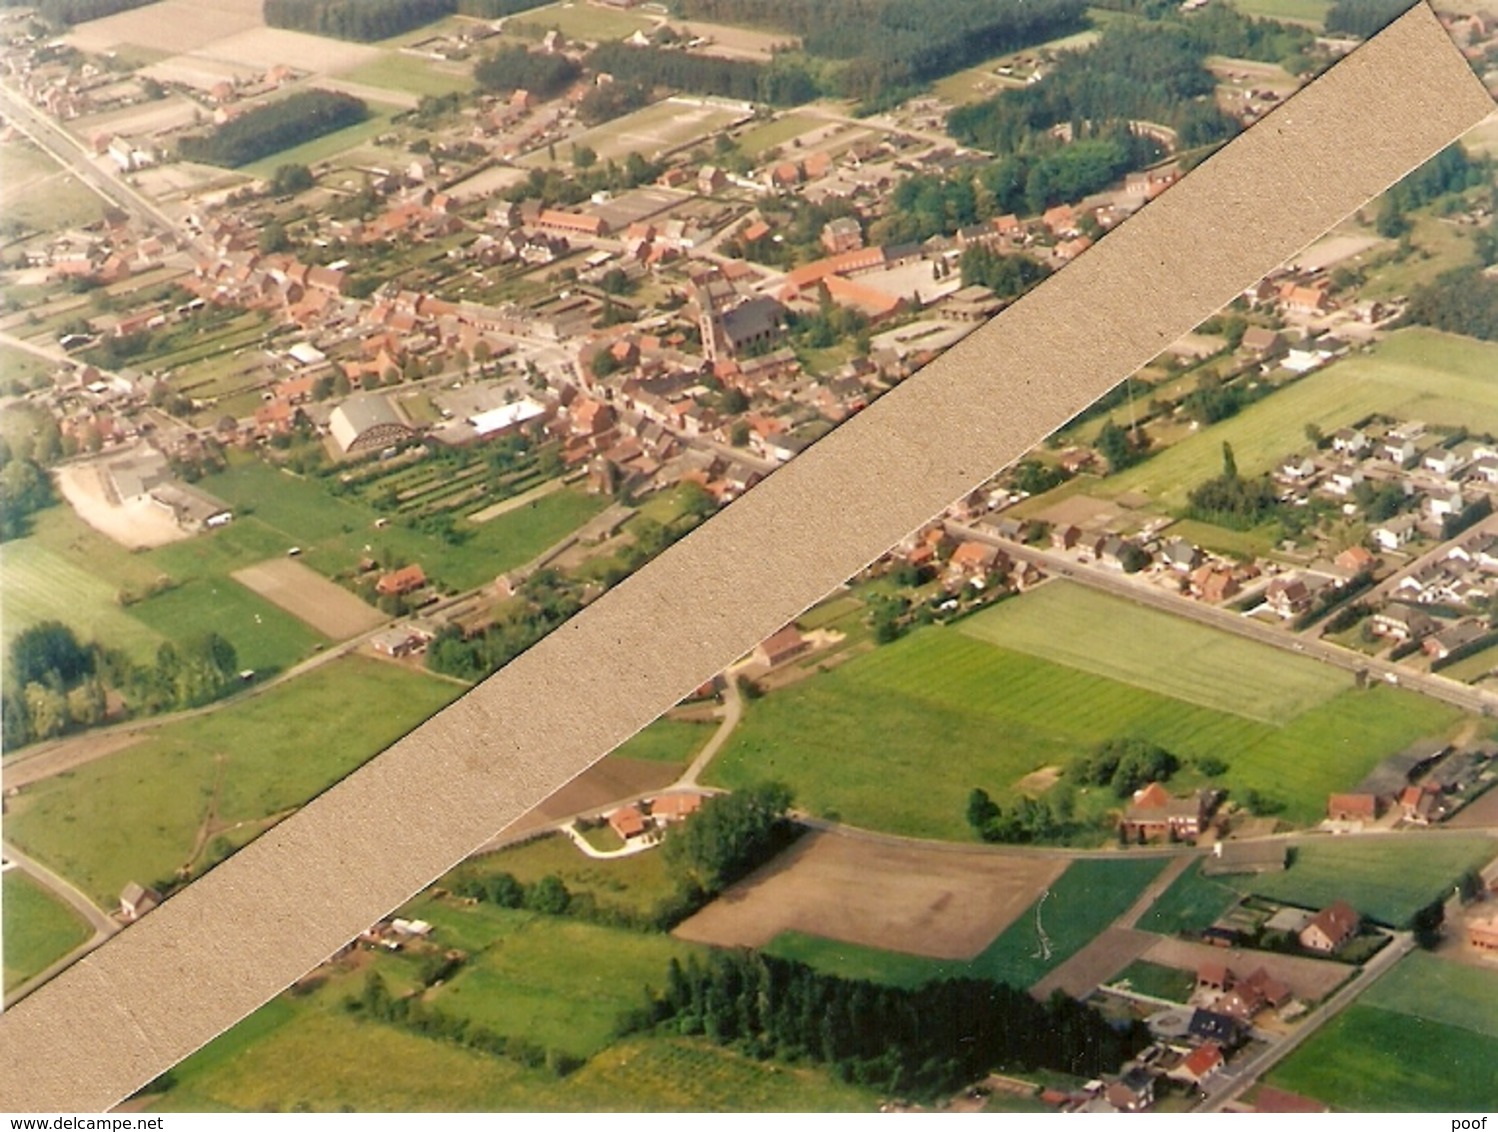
[146,119]
[376,94]
[598,787]
[171,25]
[1334,249]
[1308,979]
[264,48]
[137,523]
[1481,814]
[733,42]
[1099,961]
[943,904]
[66,755]
[309,597]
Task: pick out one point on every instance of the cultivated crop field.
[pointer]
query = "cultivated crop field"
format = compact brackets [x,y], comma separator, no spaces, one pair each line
[142,813]
[326,606]
[905,898]
[1075,908]
[897,738]
[1375,1059]
[559,982]
[1108,636]
[38,929]
[1417,373]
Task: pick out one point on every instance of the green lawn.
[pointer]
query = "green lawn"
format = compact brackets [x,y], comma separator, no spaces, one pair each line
[1372,1060]
[637,883]
[1442,991]
[1312,12]
[755,140]
[897,738]
[37,928]
[136,815]
[1387,879]
[1157,980]
[1474,667]
[38,195]
[1191,903]
[654,129]
[1417,373]
[412,74]
[589,22]
[334,533]
[561,983]
[666,741]
[1109,636]
[265,638]
[1087,897]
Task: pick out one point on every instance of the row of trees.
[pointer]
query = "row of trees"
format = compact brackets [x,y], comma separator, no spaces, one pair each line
[1464,301]
[366,20]
[1135,72]
[1024,820]
[273,127]
[780,83]
[910,1041]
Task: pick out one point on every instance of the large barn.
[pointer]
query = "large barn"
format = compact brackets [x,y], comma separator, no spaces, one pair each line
[366,423]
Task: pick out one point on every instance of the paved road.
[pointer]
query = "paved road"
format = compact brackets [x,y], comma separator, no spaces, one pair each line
[733,711]
[69,152]
[1232,1082]
[103,926]
[1123,585]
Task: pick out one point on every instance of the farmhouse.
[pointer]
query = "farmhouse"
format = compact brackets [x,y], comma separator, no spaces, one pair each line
[398,583]
[628,821]
[1201,1063]
[136,901]
[1331,928]
[1353,807]
[1154,813]
[401,641]
[781,646]
[1483,934]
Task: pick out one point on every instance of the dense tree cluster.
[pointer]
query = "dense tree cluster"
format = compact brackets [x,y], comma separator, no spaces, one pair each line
[907,1041]
[24,488]
[1453,170]
[1464,301]
[273,127]
[1362,18]
[779,83]
[1119,447]
[548,599]
[366,20]
[1229,500]
[1124,764]
[1221,29]
[1135,72]
[888,47]
[1007,276]
[55,683]
[1212,400]
[288,180]
[611,100]
[516,68]
[75,11]
[731,836]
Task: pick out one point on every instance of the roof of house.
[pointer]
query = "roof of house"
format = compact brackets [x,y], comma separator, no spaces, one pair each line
[782,641]
[1338,922]
[1203,1059]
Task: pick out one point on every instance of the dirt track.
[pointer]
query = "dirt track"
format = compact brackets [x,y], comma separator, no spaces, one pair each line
[309,597]
[946,905]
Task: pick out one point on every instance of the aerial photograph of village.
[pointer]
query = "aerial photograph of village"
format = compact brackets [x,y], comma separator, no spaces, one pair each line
[347,349]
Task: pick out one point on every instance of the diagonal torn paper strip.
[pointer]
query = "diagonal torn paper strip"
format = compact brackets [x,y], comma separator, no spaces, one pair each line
[249,928]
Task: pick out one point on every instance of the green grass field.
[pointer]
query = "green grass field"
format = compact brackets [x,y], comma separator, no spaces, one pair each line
[1191,903]
[334,533]
[136,815]
[41,584]
[1387,879]
[36,927]
[1108,636]
[895,739]
[1417,373]
[265,638]
[29,369]
[666,741]
[561,983]
[637,882]
[1087,897]
[36,194]
[589,22]
[408,73]
[1441,991]
[654,129]
[1410,1045]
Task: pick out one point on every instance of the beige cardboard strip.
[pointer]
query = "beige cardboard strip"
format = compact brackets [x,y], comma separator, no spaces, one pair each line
[229,942]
